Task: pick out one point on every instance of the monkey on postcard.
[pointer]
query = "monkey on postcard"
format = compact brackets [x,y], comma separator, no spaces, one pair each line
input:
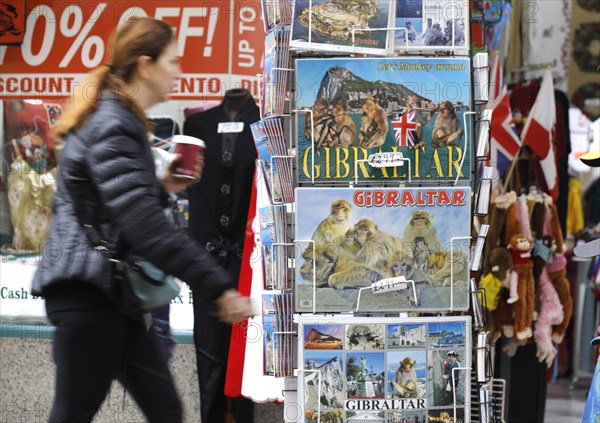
[421,225]
[404,384]
[345,127]
[446,129]
[334,227]
[373,125]
[321,125]
[403,264]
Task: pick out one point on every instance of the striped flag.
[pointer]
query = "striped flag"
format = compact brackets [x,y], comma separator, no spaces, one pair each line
[504,141]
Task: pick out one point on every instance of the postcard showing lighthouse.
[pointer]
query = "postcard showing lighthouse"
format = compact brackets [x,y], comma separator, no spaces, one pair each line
[350,108]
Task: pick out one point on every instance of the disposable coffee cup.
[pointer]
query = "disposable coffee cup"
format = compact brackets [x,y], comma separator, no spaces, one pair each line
[190,150]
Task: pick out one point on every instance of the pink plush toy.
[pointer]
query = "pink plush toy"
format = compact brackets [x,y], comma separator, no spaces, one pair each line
[551,314]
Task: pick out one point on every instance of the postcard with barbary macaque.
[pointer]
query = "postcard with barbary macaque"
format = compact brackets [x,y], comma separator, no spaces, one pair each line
[394,369]
[350,108]
[359,242]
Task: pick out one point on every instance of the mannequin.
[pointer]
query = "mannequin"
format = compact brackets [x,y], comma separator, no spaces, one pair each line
[218,209]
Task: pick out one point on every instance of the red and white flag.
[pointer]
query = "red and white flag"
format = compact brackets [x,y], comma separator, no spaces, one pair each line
[504,141]
[539,132]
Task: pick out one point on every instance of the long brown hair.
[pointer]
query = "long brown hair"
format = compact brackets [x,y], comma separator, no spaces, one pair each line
[137,37]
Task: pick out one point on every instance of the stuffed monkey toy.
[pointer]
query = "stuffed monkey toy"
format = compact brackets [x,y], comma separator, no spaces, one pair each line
[498,301]
[520,248]
[557,271]
[501,266]
[497,223]
[552,225]
[551,313]
[557,267]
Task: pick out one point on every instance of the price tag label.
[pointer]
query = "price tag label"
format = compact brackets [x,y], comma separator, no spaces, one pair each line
[389,284]
[386,159]
[230,127]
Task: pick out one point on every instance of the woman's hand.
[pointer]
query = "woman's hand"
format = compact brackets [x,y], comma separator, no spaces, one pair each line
[233,307]
[173,183]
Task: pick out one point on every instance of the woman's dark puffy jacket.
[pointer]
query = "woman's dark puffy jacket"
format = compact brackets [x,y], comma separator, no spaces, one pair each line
[107,166]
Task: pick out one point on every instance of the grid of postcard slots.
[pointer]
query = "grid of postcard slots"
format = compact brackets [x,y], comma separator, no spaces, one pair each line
[275,168]
[403,370]
[371,26]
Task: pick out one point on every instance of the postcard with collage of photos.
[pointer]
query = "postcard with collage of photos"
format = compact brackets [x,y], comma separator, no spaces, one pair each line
[365,235]
[384,369]
[361,106]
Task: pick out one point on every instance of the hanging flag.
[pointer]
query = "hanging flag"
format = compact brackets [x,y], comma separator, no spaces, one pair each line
[504,141]
[539,132]
[405,128]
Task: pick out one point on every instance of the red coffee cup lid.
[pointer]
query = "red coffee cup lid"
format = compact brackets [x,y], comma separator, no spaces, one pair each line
[186,139]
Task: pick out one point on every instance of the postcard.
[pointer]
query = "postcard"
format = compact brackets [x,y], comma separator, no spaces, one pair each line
[431,25]
[351,239]
[357,26]
[350,108]
[414,384]
[445,379]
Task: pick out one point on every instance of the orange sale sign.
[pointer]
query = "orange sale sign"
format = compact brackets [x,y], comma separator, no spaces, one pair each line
[221,44]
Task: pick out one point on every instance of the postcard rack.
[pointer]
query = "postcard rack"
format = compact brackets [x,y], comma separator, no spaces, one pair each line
[308,164]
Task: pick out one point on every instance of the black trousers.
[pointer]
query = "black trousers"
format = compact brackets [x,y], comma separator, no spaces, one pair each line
[94,347]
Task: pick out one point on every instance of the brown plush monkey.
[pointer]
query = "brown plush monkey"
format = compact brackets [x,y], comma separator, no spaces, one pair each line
[558,276]
[520,248]
[499,301]
[502,267]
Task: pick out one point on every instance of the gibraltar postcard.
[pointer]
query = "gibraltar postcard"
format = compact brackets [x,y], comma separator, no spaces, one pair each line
[350,108]
[420,379]
[349,26]
[350,241]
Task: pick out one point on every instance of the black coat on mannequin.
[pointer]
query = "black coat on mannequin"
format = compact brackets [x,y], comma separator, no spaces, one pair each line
[218,207]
